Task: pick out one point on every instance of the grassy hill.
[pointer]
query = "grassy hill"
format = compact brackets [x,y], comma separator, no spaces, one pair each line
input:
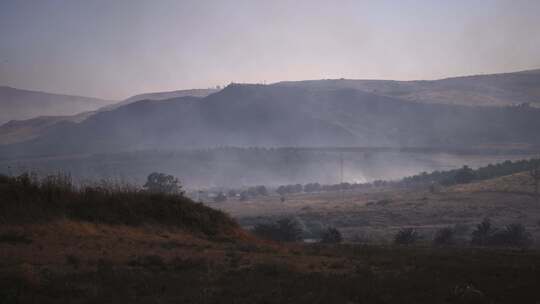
[477,90]
[27,129]
[17,104]
[258,115]
[114,244]
[28,199]
[514,183]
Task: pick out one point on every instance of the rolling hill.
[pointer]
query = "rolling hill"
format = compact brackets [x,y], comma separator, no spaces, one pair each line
[277,115]
[479,90]
[167,95]
[23,130]
[17,104]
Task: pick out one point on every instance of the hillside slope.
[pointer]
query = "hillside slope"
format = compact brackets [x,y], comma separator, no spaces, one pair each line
[514,183]
[479,90]
[24,130]
[167,95]
[16,104]
[258,115]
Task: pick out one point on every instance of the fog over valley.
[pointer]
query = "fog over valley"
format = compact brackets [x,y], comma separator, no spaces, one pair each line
[128,139]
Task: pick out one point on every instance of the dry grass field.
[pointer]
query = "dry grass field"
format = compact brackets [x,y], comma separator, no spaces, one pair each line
[77,262]
[377,214]
[72,254]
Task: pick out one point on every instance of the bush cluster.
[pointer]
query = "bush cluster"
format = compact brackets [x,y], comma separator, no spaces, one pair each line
[466,175]
[331,236]
[406,236]
[513,235]
[27,198]
[283,230]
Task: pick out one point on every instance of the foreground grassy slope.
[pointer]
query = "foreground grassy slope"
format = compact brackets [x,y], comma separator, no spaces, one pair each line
[117,246]
[27,199]
[73,262]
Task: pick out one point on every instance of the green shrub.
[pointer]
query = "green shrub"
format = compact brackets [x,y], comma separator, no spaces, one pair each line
[284,230]
[481,236]
[514,235]
[28,199]
[331,236]
[406,236]
[162,183]
[464,175]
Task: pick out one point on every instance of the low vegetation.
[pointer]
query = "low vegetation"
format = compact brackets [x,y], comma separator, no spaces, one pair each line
[513,235]
[331,236]
[27,198]
[14,238]
[163,183]
[283,230]
[444,237]
[137,257]
[434,180]
[406,236]
[466,175]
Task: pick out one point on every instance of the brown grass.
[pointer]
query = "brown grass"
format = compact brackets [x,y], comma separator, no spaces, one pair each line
[72,260]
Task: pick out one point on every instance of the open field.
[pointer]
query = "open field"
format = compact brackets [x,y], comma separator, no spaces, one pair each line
[77,262]
[59,245]
[376,215]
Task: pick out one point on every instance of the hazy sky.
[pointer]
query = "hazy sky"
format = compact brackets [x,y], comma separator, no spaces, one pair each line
[113,49]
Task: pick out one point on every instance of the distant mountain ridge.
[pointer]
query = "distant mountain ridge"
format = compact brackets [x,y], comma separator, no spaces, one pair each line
[278,115]
[168,95]
[303,113]
[504,89]
[17,104]
[22,130]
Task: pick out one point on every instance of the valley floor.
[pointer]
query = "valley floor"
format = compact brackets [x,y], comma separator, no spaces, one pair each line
[376,215]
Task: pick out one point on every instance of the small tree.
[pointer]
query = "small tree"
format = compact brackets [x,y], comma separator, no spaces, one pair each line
[464,175]
[162,183]
[331,236]
[483,233]
[290,230]
[406,236]
[261,190]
